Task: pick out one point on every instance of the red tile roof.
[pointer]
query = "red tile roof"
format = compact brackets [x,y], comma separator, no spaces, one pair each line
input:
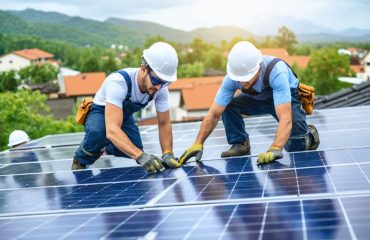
[300,61]
[83,84]
[33,54]
[200,97]
[357,68]
[184,83]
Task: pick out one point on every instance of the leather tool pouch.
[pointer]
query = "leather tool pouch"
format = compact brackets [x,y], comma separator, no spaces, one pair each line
[307,94]
[83,110]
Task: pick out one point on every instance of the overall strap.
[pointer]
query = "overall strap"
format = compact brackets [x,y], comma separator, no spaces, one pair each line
[128,82]
[269,68]
[129,87]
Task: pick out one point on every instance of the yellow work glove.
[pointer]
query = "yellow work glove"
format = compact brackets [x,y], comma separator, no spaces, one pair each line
[271,155]
[169,160]
[195,150]
[150,162]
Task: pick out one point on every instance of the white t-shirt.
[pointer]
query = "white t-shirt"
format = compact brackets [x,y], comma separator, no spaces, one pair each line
[114,91]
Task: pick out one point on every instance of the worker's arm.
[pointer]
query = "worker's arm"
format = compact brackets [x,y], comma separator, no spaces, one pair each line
[209,123]
[166,140]
[284,113]
[113,122]
[165,131]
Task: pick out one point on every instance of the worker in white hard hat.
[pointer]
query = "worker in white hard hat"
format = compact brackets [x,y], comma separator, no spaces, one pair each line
[268,86]
[18,138]
[110,124]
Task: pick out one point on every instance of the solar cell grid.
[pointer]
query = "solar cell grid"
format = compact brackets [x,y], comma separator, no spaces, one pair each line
[308,195]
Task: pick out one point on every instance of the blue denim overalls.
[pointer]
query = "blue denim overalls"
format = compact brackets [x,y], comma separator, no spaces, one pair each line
[95,140]
[263,103]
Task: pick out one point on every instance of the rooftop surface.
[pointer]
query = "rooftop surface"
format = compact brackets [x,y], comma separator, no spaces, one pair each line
[321,194]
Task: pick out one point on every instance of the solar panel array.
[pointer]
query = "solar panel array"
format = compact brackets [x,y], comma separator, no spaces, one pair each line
[321,194]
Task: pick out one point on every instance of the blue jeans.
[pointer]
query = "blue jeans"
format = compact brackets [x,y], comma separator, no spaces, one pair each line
[95,140]
[249,105]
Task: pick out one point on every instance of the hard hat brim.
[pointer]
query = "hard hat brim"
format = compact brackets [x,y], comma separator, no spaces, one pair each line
[242,78]
[17,142]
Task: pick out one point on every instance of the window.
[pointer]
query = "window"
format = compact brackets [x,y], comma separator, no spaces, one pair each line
[368,64]
[10,61]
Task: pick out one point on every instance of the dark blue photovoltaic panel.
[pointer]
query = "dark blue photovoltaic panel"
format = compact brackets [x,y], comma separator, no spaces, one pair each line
[311,219]
[81,196]
[320,194]
[324,219]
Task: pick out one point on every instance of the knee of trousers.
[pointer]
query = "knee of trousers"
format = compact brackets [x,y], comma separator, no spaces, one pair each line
[298,143]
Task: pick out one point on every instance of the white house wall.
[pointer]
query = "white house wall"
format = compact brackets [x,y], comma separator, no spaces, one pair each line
[201,113]
[175,98]
[367,66]
[13,62]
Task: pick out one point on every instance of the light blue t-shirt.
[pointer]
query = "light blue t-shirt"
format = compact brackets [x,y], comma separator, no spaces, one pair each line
[281,80]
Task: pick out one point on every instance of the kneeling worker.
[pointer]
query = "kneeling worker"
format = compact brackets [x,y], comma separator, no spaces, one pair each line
[110,124]
[269,86]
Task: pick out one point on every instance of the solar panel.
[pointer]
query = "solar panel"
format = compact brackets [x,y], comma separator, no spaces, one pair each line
[321,194]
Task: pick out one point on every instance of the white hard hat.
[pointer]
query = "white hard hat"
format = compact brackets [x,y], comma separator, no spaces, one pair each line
[243,61]
[162,59]
[18,137]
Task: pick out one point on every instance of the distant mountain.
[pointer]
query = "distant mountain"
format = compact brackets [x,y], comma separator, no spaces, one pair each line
[306,30]
[152,29]
[270,26]
[81,31]
[219,33]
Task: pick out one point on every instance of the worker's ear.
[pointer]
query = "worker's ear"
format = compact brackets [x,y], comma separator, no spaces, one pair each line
[143,68]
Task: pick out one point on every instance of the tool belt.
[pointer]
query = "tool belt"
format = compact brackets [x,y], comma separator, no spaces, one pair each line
[307,94]
[83,110]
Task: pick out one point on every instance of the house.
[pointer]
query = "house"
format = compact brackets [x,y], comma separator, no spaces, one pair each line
[84,84]
[299,61]
[357,95]
[189,99]
[17,60]
[366,66]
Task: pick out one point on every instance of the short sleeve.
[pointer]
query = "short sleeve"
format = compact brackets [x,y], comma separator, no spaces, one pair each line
[116,93]
[226,92]
[161,100]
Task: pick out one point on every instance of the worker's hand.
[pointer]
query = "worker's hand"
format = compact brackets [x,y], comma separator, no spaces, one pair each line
[271,155]
[169,160]
[150,162]
[195,150]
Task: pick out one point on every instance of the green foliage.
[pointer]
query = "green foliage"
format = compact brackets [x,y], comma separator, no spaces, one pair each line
[285,39]
[190,70]
[21,110]
[109,64]
[38,74]
[8,81]
[323,70]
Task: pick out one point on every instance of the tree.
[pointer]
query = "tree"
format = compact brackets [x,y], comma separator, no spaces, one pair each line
[21,110]
[8,81]
[323,70]
[285,39]
[109,65]
[190,70]
[90,64]
[38,74]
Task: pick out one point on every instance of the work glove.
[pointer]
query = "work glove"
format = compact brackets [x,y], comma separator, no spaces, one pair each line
[271,155]
[150,162]
[169,160]
[195,150]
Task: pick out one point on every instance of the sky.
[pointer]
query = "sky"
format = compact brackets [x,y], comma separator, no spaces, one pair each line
[190,14]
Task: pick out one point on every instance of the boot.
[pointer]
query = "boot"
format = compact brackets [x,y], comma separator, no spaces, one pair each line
[314,137]
[238,149]
[76,165]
